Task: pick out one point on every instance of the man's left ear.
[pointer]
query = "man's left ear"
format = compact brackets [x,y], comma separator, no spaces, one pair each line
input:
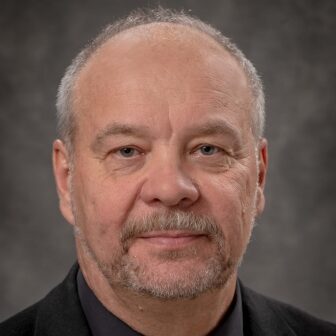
[262,168]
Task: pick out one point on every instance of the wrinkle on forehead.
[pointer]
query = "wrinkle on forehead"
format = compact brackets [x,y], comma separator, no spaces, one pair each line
[181,62]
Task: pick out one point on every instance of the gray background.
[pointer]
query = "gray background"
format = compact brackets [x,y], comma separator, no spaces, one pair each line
[292,43]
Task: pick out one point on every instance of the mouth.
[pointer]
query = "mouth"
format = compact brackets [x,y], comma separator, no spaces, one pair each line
[171,239]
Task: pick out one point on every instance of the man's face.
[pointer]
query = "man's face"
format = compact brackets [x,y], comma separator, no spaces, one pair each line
[165,180]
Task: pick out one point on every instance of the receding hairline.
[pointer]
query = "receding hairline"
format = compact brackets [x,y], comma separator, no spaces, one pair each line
[142,21]
[157,34]
[157,31]
[174,34]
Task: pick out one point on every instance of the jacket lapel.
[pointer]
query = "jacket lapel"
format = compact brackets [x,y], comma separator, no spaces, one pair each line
[60,312]
[260,317]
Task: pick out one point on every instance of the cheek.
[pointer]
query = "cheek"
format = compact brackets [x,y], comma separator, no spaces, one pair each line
[101,207]
[231,200]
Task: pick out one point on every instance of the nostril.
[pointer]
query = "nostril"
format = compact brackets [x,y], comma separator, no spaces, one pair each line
[170,187]
[185,202]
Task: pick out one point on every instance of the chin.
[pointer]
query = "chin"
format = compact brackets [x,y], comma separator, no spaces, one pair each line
[170,279]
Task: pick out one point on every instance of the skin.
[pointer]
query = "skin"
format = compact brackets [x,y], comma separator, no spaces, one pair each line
[154,90]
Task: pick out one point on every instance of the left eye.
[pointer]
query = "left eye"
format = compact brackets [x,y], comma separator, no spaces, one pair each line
[128,152]
[208,149]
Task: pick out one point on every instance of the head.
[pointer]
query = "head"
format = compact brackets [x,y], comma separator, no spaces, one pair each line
[161,164]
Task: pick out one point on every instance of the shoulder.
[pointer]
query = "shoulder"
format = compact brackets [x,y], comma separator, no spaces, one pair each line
[21,324]
[59,313]
[279,316]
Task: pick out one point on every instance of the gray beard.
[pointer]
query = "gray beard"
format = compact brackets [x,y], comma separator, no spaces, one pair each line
[141,278]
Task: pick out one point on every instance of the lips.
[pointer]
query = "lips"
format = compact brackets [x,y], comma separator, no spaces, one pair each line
[171,238]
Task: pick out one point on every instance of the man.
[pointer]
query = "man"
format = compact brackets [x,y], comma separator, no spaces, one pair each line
[160,168]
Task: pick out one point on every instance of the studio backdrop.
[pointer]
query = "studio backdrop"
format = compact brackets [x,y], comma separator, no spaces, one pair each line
[291,43]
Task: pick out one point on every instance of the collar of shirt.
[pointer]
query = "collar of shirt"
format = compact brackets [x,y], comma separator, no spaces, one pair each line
[102,322]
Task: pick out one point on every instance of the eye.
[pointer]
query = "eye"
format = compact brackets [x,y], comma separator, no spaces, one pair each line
[128,152]
[208,150]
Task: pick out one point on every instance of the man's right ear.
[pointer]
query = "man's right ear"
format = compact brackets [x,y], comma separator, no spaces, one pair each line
[62,173]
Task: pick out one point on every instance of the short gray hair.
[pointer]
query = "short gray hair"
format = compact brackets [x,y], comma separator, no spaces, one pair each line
[64,104]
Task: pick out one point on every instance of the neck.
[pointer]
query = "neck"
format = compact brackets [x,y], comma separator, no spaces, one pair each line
[152,316]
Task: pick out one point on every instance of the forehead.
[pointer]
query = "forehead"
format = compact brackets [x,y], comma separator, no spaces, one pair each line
[168,63]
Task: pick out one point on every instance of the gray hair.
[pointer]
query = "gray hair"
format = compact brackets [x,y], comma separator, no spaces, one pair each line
[64,104]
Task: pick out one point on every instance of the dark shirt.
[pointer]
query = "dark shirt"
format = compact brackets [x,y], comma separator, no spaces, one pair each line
[103,323]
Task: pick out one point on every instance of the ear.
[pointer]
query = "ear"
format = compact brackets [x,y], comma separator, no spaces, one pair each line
[61,166]
[262,168]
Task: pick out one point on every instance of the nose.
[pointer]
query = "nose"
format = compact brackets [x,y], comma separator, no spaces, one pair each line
[169,186]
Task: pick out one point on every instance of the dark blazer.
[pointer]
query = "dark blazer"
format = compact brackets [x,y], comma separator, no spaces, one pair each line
[60,314]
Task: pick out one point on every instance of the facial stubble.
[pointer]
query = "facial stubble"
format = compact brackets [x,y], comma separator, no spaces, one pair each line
[188,271]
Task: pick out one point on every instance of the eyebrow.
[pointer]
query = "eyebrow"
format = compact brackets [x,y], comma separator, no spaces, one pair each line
[212,127]
[118,129]
[217,127]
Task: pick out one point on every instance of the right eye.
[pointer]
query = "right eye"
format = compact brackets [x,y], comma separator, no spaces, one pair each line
[208,150]
[127,152]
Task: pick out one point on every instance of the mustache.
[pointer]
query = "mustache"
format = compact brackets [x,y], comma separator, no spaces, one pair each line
[171,220]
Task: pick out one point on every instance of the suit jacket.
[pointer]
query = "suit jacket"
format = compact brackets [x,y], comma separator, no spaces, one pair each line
[60,314]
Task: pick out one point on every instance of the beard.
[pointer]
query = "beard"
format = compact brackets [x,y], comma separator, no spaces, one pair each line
[187,272]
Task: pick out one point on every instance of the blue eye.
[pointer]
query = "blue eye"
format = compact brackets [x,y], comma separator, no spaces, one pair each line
[128,151]
[208,149]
